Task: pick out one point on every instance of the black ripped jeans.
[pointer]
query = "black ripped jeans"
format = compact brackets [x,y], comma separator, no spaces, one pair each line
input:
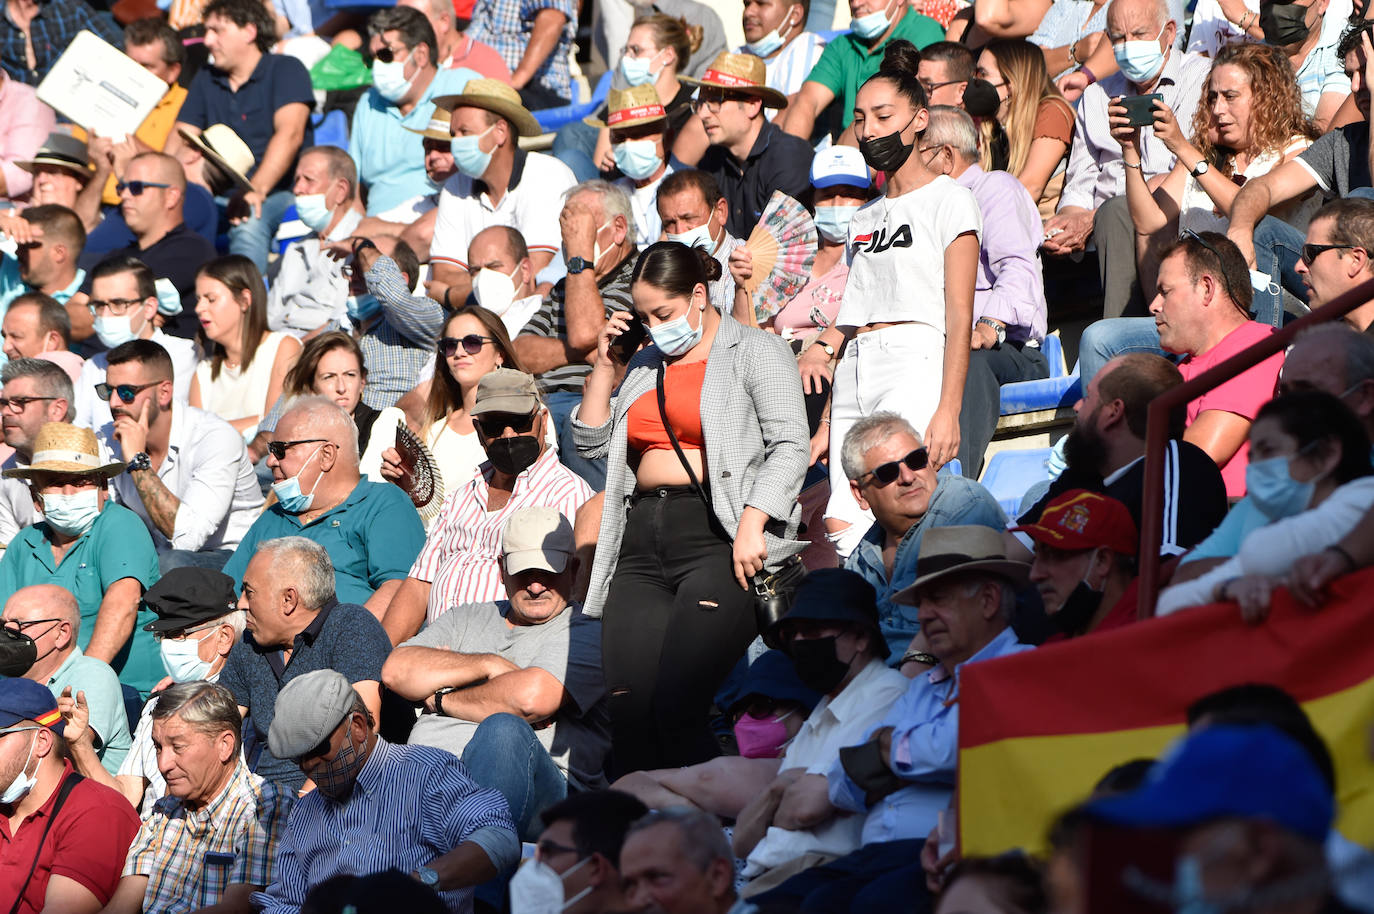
[675,623]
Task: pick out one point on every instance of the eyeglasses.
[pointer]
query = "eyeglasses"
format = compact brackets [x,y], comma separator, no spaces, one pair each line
[136,188]
[278,449]
[19,403]
[1311,252]
[320,750]
[885,473]
[492,425]
[714,98]
[387,55]
[546,848]
[472,344]
[15,625]
[18,730]
[117,306]
[184,633]
[931,87]
[126,392]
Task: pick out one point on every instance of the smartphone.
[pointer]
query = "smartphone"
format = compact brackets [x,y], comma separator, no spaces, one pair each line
[1140,108]
[626,345]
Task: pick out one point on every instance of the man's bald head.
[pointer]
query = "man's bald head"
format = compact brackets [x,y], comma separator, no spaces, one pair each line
[320,417]
[44,601]
[1125,16]
[161,168]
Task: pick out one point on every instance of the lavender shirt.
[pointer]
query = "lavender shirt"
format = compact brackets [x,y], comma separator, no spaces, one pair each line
[1010,285]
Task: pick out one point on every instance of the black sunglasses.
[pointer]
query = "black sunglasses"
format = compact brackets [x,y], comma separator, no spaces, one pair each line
[278,449]
[386,55]
[136,188]
[493,424]
[885,473]
[1311,252]
[20,403]
[126,392]
[472,344]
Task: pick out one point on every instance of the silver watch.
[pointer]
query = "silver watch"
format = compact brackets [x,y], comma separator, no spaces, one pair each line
[1200,169]
[428,876]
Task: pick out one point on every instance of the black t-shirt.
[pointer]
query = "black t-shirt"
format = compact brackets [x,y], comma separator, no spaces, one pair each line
[778,161]
[1194,495]
[177,256]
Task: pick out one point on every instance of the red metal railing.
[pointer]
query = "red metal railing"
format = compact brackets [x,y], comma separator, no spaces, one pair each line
[1157,429]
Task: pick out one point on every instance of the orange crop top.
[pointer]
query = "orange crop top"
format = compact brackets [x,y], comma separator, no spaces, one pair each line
[644,429]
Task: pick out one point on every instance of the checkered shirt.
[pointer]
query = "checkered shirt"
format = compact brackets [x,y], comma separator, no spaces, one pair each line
[506,25]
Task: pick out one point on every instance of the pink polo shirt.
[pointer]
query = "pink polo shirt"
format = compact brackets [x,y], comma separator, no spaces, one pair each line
[25,123]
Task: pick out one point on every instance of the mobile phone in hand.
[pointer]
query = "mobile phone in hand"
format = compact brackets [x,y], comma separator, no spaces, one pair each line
[1140,108]
[624,347]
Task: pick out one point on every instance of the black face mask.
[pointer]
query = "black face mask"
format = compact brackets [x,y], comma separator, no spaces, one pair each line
[1284,23]
[513,456]
[981,98]
[887,153]
[17,653]
[1078,610]
[817,666]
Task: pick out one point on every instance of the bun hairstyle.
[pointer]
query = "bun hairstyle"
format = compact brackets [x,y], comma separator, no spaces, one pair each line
[676,269]
[900,62]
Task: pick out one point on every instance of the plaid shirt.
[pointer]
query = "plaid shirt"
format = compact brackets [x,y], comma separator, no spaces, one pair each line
[53,28]
[403,341]
[506,25]
[191,857]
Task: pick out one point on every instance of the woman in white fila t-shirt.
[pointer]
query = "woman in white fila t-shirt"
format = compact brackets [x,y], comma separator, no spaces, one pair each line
[902,334]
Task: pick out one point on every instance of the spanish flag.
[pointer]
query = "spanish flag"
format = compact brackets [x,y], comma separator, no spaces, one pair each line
[1038,729]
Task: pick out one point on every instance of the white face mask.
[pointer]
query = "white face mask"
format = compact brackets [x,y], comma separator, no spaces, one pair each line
[699,237]
[181,659]
[22,783]
[537,889]
[494,290]
[114,329]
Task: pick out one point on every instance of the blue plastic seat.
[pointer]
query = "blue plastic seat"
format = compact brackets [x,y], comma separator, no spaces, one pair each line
[292,229]
[1060,389]
[1010,473]
[331,129]
[550,119]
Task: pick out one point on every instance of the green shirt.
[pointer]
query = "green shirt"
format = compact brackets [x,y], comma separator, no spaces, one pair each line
[848,62]
[117,546]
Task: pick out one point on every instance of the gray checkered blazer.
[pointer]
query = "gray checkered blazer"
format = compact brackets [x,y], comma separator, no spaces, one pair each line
[757,446]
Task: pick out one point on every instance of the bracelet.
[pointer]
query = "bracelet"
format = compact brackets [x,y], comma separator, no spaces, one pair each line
[1135,165]
[919,657]
[825,420]
[1350,562]
[1073,57]
[1092,77]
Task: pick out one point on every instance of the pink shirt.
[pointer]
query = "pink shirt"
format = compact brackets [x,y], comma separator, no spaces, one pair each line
[483,58]
[25,123]
[1243,395]
[818,298]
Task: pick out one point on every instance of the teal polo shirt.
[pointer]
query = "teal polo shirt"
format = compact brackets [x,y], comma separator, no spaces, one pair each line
[848,61]
[117,546]
[372,537]
[109,720]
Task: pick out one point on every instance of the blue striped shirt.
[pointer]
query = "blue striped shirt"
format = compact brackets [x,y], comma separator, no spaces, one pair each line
[410,805]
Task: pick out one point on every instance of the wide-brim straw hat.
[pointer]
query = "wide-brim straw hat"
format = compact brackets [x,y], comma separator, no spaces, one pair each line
[947,551]
[495,96]
[221,145]
[65,448]
[743,73]
[630,108]
[438,127]
[62,150]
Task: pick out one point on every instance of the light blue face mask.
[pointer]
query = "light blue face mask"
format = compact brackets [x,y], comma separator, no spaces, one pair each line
[114,329]
[770,43]
[288,491]
[833,222]
[677,336]
[699,237]
[1189,896]
[389,79]
[468,156]
[636,70]
[181,659]
[313,211]
[872,25]
[1140,61]
[1272,488]
[362,307]
[637,159]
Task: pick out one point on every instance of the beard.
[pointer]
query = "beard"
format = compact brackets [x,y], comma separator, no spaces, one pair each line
[1084,449]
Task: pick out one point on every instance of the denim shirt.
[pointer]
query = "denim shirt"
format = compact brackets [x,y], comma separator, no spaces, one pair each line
[957,502]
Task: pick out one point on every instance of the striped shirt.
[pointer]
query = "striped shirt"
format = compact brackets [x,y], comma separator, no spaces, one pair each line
[192,856]
[551,320]
[462,555]
[409,805]
[403,341]
[788,69]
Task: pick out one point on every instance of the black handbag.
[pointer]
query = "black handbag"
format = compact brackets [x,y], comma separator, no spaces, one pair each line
[773,593]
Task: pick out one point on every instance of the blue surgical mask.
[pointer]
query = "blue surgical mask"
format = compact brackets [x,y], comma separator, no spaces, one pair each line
[675,337]
[769,44]
[636,70]
[699,237]
[181,659]
[1271,487]
[872,25]
[114,329]
[468,156]
[313,211]
[1189,895]
[362,307]
[389,79]
[637,159]
[1140,61]
[288,491]
[168,298]
[71,515]
[833,222]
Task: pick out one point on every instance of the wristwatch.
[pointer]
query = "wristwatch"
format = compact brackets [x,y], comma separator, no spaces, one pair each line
[578,264]
[997,327]
[1200,169]
[439,699]
[827,348]
[140,461]
[427,876]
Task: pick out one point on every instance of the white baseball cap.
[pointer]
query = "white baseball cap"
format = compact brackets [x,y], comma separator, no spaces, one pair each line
[537,537]
[839,165]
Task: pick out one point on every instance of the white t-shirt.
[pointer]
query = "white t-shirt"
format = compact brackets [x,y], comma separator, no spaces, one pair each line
[1198,213]
[531,206]
[896,254]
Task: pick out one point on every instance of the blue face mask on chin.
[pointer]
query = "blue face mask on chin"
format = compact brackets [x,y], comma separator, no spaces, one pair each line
[871,26]
[288,491]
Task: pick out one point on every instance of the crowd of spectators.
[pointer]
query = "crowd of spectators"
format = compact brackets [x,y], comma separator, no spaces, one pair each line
[380,508]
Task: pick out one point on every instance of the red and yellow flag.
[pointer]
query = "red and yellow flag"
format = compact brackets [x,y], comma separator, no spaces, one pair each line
[1038,729]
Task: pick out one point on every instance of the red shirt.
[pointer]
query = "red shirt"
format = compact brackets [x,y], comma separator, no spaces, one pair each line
[87,843]
[1243,395]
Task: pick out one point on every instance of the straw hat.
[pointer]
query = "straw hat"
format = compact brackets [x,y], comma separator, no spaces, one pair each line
[221,145]
[65,448]
[743,73]
[63,151]
[438,126]
[630,108]
[495,96]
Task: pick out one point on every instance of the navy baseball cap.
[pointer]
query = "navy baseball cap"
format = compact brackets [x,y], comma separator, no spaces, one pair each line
[24,699]
[1228,771]
[773,676]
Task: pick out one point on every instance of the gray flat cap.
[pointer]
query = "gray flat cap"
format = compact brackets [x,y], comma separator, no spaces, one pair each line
[309,708]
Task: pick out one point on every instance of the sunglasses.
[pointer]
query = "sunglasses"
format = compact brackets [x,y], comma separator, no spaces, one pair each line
[1221,264]
[472,344]
[885,473]
[278,449]
[1311,252]
[387,55]
[126,392]
[713,99]
[493,424]
[19,403]
[136,188]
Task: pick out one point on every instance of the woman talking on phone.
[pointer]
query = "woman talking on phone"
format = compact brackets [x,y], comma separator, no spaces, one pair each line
[706,448]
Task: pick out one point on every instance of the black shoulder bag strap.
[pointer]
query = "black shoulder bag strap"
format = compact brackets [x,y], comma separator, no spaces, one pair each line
[672,436]
[62,793]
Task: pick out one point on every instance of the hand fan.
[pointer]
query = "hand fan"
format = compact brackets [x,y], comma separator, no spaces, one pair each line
[783,245]
[420,476]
